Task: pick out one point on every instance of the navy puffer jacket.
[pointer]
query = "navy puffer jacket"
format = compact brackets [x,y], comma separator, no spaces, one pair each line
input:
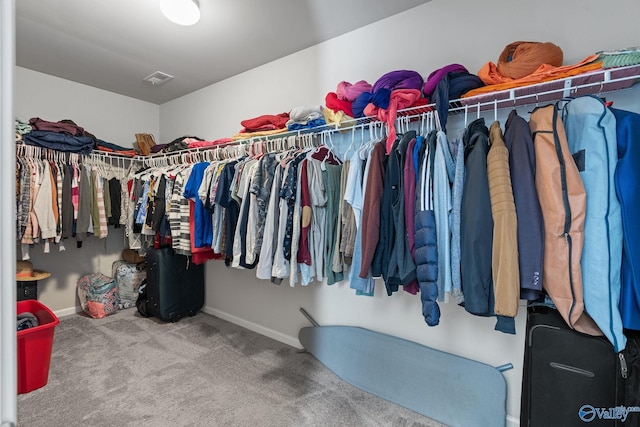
[425,239]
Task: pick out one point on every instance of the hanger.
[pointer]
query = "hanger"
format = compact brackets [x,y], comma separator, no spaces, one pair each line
[400,125]
[404,124]
[466,115]
[382,130]
[351,146]
[438,125]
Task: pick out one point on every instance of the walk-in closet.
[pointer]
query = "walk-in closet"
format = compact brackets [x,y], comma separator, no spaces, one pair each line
[369,230]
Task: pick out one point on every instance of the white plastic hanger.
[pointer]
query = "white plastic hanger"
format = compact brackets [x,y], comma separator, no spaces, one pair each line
[466,115]
[351,146]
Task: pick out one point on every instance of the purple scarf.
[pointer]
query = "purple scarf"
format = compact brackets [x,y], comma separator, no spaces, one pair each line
[401,79]
[435,77]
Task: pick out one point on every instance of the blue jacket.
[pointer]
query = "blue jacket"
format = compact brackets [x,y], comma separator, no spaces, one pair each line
[443,178]
[591,137]
[626,179]
[203,228]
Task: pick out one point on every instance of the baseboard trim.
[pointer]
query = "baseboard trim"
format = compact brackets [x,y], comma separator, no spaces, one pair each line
[67,311]
[278,336]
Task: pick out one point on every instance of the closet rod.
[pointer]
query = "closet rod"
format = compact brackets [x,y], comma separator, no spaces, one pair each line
[199,152]
[23,146]
[553,90]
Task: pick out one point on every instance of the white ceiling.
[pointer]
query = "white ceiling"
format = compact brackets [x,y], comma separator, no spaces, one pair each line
[114,44]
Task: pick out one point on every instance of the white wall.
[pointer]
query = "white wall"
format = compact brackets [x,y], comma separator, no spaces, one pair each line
[110,117]
[423,39]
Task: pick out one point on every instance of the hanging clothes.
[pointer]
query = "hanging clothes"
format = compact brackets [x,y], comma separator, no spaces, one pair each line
[626,177]
[225,199]
[476,224]
[401,269]
[338,260]
[317,233]
[303,256]
[200,219]
[371,211]
[267,249]
[443,177]
[84,220]
[294,277]
[354,196]
[563,201]
[67,204]
[179,214]
[522,166]
[43,204]
[331,178]
[261,188]
[591,137]
[504,264]
[409,179]
[456,205]
[240,237]
[425,238]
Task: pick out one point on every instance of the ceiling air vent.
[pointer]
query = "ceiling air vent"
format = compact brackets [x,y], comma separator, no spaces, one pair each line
[157,78]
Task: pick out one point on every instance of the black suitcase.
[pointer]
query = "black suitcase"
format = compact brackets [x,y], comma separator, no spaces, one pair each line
[175,286]
[569,378]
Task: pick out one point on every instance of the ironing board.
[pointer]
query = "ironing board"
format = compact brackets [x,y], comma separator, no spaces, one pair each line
[444,387]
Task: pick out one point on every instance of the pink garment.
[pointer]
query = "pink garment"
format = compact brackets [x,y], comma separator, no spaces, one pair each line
[400,98]
[348,92]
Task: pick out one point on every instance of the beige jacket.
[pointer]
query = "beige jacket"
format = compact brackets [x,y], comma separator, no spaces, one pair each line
[504,265]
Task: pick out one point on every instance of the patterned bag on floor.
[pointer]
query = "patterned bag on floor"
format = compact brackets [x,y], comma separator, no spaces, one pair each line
[128,276]
[98,295]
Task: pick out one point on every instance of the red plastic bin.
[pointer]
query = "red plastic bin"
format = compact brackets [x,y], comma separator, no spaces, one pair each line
[34,346]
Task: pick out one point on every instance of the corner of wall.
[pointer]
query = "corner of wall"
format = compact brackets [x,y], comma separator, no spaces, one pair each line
[278,336]
[68,311]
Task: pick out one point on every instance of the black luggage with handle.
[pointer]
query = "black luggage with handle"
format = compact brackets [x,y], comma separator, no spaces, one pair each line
[175,286]
[569,378]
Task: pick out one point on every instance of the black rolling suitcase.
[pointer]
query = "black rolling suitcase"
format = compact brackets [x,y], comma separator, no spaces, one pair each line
[175,286]
[569,378]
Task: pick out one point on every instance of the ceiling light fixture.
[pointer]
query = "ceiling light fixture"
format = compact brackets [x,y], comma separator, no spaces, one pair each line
[181,12]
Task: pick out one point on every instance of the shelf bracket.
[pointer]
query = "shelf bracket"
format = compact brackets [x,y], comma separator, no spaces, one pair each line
[567,88]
